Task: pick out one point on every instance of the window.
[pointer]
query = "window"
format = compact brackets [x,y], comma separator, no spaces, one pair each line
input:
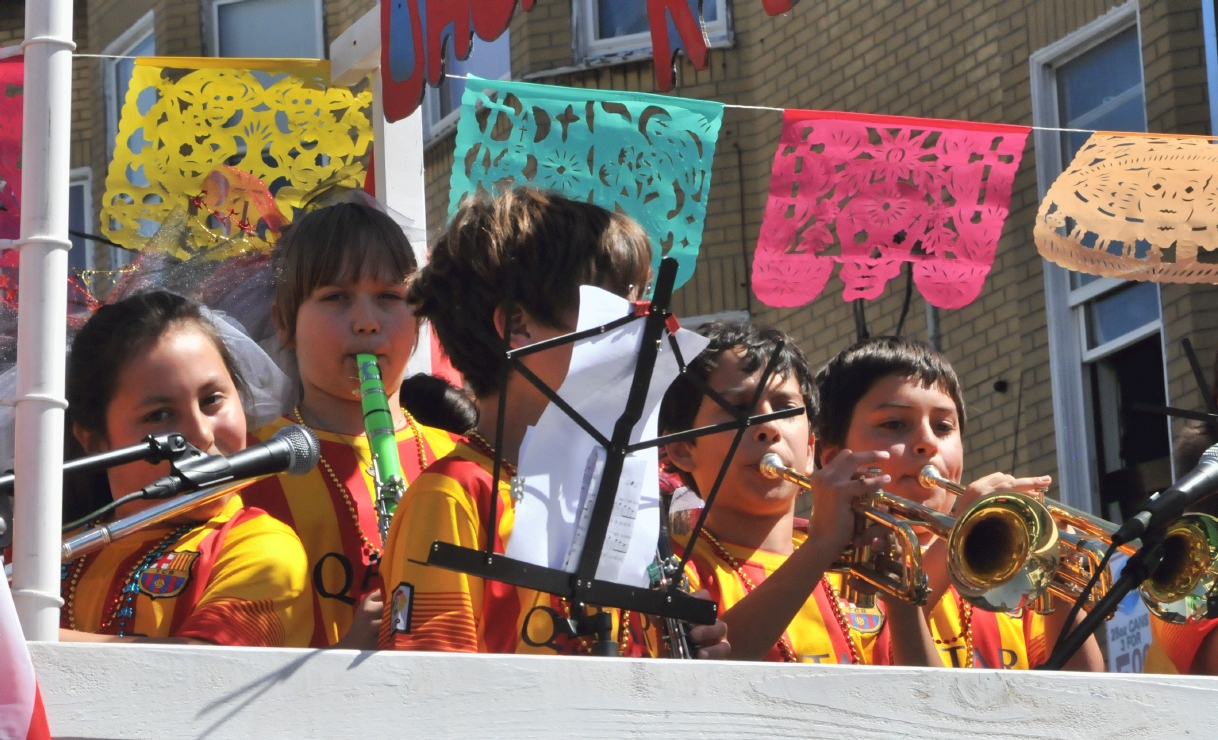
[137,41]
[620,29]
[87,254]
[1106,335]
[275,29]
[491,60]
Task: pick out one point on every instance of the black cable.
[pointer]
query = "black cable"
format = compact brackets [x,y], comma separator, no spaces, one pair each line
[1068,627]
[860,321]
[103,511]
[98,239]
[908,298]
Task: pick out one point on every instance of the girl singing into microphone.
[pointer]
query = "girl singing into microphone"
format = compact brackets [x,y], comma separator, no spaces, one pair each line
[222,573]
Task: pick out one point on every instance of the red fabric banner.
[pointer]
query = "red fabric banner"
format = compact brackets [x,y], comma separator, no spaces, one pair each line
[872,192]
[12,81]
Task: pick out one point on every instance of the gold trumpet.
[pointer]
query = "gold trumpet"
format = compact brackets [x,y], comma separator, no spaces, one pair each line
[1178,591]
[1002,552]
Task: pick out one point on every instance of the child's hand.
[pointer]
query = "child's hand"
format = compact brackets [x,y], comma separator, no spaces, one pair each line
[834,489]
[711,639]
[365,625]
[995,482]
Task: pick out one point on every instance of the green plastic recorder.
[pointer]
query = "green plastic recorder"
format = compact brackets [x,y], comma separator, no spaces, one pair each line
[378,423]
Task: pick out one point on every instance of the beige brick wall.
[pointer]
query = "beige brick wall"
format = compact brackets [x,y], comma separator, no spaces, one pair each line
[940,59]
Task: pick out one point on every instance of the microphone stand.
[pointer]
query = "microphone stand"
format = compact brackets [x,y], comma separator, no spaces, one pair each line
[154,449]
[1140,566]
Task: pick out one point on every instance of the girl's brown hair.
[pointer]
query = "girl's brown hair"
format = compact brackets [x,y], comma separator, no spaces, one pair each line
[333,245]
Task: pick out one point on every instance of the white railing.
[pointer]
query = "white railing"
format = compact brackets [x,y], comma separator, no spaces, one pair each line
[116,691]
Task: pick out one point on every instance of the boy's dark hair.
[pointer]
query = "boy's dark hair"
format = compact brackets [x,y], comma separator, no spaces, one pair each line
[437,403]
[332,245]
[101,350]
[683,398]
[535,246]
[845,379]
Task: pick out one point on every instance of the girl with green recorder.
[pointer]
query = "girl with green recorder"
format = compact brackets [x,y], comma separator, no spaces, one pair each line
[341,274]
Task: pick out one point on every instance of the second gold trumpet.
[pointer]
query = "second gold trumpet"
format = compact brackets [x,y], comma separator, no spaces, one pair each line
[1002,552]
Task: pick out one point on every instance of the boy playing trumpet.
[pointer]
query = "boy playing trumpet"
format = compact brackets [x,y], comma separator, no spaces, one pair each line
[770,578]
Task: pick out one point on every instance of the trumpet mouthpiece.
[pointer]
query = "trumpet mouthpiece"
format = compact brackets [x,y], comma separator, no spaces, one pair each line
[930,477]
[771,465]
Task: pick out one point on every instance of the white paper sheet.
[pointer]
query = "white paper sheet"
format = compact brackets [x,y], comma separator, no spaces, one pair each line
[561,465]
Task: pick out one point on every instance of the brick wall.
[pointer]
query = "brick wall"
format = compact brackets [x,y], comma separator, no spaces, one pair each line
[942,59]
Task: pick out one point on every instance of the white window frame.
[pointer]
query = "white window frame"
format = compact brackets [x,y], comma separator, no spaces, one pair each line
[139,32]
[592,51]
[1065,307]
[211,26]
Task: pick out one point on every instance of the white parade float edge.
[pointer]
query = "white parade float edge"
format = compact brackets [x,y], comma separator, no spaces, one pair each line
[117,691]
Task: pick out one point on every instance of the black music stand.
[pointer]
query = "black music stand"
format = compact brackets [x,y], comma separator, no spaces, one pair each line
[582,587]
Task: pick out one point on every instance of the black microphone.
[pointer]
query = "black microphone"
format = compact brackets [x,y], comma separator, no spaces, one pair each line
[294,449]
[1167,506]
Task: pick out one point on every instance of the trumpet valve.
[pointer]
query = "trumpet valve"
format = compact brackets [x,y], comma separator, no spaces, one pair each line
[851,595]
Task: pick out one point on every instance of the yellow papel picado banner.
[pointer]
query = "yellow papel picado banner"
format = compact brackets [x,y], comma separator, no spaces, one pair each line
[277,120]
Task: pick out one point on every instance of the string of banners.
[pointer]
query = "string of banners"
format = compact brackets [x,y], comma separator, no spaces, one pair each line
[866,192]
[232,148]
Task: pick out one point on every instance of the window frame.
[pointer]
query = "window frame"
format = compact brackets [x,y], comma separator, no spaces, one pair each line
[1065,305]
[435,126]
[83,177]
[591,51]
[211,26]
[138,33]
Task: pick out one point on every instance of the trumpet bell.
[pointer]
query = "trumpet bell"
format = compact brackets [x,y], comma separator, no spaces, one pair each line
[1185,583]
[1003,552]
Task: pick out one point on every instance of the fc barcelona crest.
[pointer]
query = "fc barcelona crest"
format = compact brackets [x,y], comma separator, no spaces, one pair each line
[864,621]
[166,578]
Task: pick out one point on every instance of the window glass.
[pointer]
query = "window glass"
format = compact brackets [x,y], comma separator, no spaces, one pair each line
[1116,314]
[278,29]
[628,17]
[1132,449]
[77,221]
[123,69]
[489,60]
[1102,90]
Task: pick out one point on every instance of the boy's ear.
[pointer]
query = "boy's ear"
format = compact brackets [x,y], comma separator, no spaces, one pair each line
[281,329]
[824,452]
[519,331]
[681,455]
[811,466]
[92,442]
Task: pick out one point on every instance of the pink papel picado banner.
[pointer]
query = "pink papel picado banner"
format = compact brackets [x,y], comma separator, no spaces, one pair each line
[873,192]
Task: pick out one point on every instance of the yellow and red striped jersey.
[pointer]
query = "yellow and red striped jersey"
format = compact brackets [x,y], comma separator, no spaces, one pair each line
[342,566]
[1178,642]
[237,579]
[428,608]
[1014,639]
[815,633]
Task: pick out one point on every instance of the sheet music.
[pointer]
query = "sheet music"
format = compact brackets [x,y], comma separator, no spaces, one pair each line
[559,488]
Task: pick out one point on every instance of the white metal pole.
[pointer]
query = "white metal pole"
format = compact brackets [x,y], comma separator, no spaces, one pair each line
[42,315]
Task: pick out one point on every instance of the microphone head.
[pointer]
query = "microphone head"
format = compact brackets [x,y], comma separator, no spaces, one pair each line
[1209,456]
[306,450]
